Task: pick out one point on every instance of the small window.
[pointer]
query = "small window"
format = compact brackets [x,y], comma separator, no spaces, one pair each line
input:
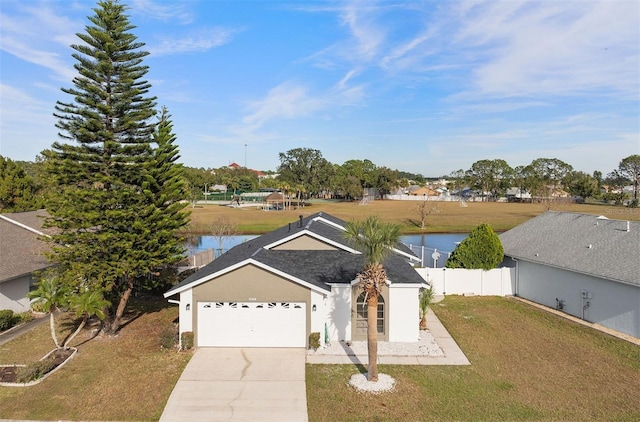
[207,306]
[245,306]
[219,304]
[233,304]
[296,306]
[285,305]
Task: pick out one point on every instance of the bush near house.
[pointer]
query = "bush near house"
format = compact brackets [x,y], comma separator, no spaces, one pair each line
[482,249]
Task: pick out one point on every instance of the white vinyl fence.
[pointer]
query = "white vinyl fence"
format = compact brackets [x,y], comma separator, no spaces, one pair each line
[447,281]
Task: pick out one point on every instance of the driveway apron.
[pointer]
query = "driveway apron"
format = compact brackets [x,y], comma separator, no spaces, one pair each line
[240,384]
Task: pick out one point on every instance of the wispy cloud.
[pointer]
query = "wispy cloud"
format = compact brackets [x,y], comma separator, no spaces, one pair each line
[285,101]
[38,35]
[197,41]
[551,48]
[174,11]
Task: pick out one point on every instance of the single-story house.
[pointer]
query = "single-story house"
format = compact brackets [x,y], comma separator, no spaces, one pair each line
[22,256]
[584,265]
[277,289]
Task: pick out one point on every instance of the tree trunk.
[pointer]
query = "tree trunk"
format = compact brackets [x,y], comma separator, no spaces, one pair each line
[372,337]
[114,325]
[76,332]
[52,327]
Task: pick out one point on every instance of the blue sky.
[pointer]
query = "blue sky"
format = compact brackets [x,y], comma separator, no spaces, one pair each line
[422,86]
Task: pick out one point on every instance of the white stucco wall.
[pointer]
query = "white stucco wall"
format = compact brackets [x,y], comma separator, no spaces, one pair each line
[319,316]
[612,304]
[403,313]
[13,294]
[339,312]
[186,315]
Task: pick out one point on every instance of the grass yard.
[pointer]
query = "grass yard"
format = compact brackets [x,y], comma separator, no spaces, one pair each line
[526,364]
[128,377]
[450,217]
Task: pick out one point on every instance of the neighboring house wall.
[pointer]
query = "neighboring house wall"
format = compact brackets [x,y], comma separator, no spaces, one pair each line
[612,304]
[496,282]
[13,293]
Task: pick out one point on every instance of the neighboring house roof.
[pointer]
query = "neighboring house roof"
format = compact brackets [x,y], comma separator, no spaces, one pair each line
[425,191]
[582,243]
[20,246]
[316,268]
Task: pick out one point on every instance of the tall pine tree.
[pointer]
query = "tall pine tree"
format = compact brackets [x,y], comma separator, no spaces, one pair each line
[107,225]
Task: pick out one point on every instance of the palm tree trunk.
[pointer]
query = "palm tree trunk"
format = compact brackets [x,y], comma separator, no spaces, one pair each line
[372,337]
[52,328]
[76,332]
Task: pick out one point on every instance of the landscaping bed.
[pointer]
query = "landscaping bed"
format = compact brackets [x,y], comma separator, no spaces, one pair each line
[24,375]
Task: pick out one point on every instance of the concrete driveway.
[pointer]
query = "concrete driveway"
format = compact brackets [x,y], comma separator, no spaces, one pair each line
[240,384]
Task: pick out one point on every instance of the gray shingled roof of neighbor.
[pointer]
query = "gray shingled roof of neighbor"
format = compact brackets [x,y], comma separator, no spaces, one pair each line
[21,250]
[317,267]
[581,243]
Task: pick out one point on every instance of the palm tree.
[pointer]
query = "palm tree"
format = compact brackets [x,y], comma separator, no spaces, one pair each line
[426,297]
[86,305]
[375,239]
[50,294]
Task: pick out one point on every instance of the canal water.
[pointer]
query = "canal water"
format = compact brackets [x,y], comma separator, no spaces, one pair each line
[445,242]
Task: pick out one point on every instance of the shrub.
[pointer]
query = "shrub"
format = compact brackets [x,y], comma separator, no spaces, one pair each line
[482,249]
[35,370]
[186,340]
[7,319]
[169,338]
[314,341]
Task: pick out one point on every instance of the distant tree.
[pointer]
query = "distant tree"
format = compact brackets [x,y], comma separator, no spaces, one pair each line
[18,191]
[111,188]
[221,228]
[425,209]
[582,184]
[482,249]
[306,167]
[385,180]
[490,176]
[375,239]
[629,168]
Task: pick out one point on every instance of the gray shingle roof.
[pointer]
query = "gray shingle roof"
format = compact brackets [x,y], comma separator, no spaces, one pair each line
[317,267]
[21,252]
[579,242]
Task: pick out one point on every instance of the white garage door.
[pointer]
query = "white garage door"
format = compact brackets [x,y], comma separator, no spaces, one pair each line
[252,324]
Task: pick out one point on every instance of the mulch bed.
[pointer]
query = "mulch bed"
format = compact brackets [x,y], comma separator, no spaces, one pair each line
[59,356]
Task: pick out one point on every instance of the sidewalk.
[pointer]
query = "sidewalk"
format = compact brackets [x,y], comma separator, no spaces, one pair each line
[446,351]
[18,330]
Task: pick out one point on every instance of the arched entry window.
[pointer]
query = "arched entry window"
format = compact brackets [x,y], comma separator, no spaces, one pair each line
[360,323]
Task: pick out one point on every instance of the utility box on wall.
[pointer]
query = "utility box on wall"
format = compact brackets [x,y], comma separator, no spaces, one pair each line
[586,294]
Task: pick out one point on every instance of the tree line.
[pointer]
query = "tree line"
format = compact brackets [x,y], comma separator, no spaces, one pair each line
[305,172]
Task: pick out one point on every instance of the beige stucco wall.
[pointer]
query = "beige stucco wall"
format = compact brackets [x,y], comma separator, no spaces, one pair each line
[250,284]
[305,243]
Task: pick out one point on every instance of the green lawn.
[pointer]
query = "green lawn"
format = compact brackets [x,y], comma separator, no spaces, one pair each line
[526,364]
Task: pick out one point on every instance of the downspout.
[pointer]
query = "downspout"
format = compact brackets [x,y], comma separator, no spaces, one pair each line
[516,293]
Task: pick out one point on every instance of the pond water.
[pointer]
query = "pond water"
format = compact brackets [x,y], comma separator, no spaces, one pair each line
[441,241]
